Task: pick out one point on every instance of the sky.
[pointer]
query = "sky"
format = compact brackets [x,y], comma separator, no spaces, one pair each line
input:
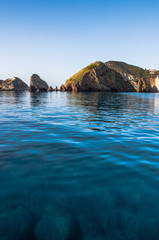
[55,39]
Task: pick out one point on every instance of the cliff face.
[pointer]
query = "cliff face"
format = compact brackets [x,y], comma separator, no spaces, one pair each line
[13,84]
[136,76]
[97,77]
[144,86]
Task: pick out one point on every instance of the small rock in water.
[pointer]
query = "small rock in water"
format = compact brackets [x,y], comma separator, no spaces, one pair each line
[56,89]
[50,89]
[62,88]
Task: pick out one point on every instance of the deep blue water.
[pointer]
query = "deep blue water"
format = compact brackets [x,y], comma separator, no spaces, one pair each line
[96,153]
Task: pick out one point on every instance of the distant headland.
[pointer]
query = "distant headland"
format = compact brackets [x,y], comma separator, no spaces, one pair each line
[111,76]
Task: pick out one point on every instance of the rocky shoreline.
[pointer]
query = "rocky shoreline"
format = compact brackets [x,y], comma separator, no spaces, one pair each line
[97,77]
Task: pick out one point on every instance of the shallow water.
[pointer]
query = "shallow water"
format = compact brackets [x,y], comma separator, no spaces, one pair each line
[96,153]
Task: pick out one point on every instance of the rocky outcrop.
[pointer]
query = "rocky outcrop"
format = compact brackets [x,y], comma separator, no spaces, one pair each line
[97,77]
[56,89]
[62,88]
[58,223]
[136,76]
[13,84]
[130,79]
[144,86]
[50,89]
[37,84]
[1,84]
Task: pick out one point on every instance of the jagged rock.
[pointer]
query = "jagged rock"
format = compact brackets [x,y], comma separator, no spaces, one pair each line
[37,84]
[144,86]
[129,87]
[134,74]
[17,224]
[13,84]
[1,84]
[96,77]
[50,89]
[58,223]
[56,89]
[62,88]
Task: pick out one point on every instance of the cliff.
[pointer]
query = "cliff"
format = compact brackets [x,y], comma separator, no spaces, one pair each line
[135,74]
[97,77]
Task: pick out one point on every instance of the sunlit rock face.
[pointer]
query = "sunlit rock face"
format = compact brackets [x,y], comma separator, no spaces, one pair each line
[98,77]
[144,86]
[157,83]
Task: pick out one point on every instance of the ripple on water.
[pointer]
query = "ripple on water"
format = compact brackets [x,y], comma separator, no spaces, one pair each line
[96,153]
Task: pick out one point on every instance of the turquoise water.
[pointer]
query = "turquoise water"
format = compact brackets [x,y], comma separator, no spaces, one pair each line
[94,153]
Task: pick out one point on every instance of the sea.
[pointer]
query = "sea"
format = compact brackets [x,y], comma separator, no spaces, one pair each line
[94,154]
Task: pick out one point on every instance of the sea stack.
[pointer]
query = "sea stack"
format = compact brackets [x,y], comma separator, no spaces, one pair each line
[56,89]
[37,84]
[62,88]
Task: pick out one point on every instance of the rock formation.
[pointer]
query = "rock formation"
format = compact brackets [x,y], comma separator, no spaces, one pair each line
[56,89]
[97,77]
[111,76]
[50,89]
[136,75]
[13,84]
[144,86]
[1,84]
[62,88]
[37,84]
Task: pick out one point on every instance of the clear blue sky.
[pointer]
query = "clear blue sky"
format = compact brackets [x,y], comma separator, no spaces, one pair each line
[57,38]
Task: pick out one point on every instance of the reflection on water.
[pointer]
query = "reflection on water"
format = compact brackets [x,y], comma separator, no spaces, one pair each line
[95,154]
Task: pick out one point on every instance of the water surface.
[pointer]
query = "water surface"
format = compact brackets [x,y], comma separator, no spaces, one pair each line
[97,153]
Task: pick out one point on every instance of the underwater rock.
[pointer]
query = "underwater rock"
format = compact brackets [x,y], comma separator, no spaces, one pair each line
[37,84]
[58,223]
[47,229]
[17,224]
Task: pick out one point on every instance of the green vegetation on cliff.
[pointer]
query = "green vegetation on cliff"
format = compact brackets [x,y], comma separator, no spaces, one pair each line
[77,78]
[122,67]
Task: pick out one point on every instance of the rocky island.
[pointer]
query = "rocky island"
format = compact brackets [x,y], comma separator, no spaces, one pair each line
[13,84]
[111,76]
[98,77]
